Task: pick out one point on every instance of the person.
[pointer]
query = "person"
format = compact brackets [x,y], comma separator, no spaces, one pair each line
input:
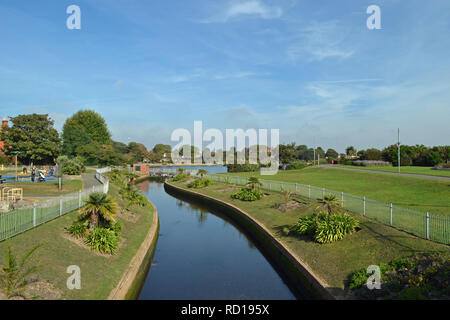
[41,176]
[24,170]
[33,173]
[51,172]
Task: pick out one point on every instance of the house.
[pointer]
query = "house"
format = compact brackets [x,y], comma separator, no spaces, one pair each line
[141,168]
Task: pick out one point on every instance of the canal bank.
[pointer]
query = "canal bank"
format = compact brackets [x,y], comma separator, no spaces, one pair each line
[133,277]
[298,273]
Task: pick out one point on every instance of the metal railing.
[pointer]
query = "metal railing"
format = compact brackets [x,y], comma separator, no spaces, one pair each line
[425,225]
[20,220]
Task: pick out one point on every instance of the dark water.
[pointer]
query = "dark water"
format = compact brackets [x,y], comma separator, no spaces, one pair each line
[210,169]
[201,255]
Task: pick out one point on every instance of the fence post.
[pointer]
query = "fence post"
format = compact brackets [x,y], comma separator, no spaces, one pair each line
[391,214]
[34,214]
[93,189]
[60,206]
[342,199]
[323,193]
[296,187]
[79,199]
[309,191]
[428,225]
[364,206]
[270,184]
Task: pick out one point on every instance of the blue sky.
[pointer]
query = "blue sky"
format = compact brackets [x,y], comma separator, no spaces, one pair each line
[309,68]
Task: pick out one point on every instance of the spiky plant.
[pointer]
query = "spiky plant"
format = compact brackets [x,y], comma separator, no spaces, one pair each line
[98,205]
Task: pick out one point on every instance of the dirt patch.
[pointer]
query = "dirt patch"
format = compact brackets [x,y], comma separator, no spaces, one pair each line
[290,206]
[229,189]
[129,216]
[36,289]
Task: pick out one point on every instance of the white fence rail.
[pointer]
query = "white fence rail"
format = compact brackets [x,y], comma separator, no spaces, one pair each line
[20,220]
[426,225]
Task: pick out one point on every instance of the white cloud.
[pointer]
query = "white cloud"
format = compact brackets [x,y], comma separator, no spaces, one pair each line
[253,8]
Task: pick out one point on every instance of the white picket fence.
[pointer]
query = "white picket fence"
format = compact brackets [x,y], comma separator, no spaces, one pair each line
[20,220]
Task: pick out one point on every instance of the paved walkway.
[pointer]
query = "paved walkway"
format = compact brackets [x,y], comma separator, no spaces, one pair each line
[89,180]
[422,176]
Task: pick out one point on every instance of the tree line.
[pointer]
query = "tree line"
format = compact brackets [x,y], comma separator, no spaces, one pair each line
[85,137]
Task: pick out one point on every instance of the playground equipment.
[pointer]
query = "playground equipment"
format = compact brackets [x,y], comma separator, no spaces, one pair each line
[11,194]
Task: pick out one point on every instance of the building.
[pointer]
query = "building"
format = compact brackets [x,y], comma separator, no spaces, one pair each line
[141,168]
[4,125]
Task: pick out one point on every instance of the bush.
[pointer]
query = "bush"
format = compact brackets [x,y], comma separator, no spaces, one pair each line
[297,165]
[331,228]
[371,163]
[242,167]
[180,177]
[248,195]
[326,228]
[103,240]
[77,229]
[199,183]
[73,166]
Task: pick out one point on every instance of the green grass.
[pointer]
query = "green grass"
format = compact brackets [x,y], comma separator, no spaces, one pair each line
[418,194]
[48,188]
[413,170]
[373,244]
[99,274]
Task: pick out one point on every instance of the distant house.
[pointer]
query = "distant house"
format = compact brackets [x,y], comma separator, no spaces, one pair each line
[141,168]
[4,125]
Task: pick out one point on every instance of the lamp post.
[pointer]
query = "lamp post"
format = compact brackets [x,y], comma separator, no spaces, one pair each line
[15,153]
[398,159]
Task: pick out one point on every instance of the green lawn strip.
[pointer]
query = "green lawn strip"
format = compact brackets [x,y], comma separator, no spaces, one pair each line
[99,274]
[335,262]
[418,194]
[407,169]
[48,188]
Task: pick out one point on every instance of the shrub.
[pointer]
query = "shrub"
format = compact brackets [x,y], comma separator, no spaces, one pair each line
[180,177]
[242,167]
[117,227]
[248,195]
[74,166]
[77,229]
[331,228]
[103,240]
[371,163]
[326,228]
[199,183]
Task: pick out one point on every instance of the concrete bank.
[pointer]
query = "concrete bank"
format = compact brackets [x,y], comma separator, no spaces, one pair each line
[132,279]
[298,273]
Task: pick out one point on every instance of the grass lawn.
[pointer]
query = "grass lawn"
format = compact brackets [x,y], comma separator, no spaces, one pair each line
[373,244]
[413,170]
[47,188]
[99,274]
[419,194]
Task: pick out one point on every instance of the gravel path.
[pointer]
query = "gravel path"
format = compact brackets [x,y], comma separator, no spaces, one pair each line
[422,176]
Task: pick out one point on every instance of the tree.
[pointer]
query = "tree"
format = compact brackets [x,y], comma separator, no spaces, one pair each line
[84,127]
[98,206]
[350,151]
[287,153]
[13,274]
[34,136]
[332,154]
[202,172]
[330,203]
[372,154]
[253,182]
[95,153]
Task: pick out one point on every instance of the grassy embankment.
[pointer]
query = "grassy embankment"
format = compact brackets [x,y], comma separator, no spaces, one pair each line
[373,244]
[407,169]
[99,274]
[418,194]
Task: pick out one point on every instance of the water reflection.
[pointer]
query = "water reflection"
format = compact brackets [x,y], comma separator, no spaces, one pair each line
[202,255]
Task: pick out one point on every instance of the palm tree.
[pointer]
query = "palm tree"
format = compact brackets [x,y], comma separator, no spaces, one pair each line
[253,182]
[202,172]
[329,202]
[135,198]
[131,176]
[181,170]
[14,274]
[99,205]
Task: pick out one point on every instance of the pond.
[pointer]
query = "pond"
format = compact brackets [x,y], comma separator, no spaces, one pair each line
[203,255]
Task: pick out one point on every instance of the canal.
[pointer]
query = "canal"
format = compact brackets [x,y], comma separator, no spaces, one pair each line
[203,255]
